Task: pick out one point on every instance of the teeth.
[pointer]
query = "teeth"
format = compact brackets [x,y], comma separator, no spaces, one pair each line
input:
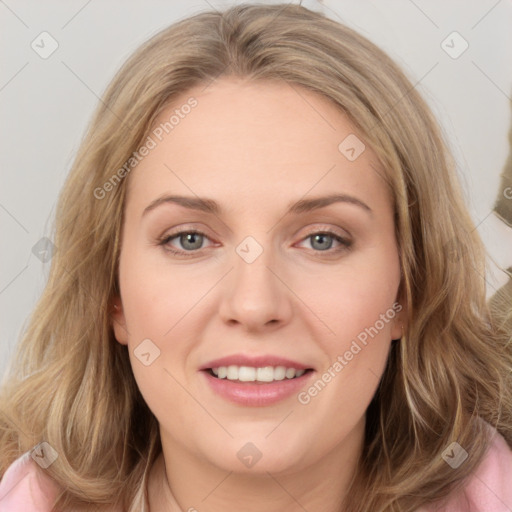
[245,374]
[279,373]
[251,374]
[232,373]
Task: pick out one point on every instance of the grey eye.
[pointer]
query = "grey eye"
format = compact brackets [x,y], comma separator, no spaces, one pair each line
[194,239]
[321,240]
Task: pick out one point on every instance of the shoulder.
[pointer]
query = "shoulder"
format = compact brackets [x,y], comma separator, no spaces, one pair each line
[25,488]
[489,488]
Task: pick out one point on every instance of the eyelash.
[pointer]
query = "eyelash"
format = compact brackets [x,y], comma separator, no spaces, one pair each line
[345,243]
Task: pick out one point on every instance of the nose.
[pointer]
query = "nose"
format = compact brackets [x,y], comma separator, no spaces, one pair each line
[255,295]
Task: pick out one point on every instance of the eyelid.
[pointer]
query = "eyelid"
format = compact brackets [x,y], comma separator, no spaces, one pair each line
[327,229]
[167,237]
[344,240]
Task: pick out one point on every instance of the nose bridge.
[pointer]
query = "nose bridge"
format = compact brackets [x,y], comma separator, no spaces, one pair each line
[253,278]
[256,296]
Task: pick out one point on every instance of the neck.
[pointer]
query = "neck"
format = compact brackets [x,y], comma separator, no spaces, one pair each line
[183,482]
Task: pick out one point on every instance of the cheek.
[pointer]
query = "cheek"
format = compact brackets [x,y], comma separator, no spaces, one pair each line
[154,299]
[155,305]
[362,318]
[357,348]
[355,294]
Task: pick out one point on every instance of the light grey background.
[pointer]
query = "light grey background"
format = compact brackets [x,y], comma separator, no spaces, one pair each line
[46,103]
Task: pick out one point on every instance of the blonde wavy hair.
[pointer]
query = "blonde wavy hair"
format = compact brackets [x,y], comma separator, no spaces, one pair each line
[70,383]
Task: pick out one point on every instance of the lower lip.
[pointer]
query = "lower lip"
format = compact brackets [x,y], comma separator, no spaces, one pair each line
[256,394]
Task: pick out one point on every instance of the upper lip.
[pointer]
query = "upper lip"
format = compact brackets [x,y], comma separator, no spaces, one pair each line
[254,361]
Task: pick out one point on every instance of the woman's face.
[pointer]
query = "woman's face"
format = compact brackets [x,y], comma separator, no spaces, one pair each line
[274,280]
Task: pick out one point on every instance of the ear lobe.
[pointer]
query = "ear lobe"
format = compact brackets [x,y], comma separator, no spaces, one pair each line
[397,331]
[118,320]
[399,325]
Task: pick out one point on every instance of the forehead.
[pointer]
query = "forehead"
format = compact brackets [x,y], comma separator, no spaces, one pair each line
[257,142]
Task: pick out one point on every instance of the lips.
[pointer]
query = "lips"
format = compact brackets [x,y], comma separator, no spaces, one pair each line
[255,362]
[265,390]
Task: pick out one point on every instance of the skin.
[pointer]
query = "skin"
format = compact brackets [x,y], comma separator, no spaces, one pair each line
[254,147]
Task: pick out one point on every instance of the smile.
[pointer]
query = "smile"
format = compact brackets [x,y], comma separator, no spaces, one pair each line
[253,374]
[254,392]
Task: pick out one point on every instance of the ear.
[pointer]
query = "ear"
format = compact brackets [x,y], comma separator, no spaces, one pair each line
[118,320]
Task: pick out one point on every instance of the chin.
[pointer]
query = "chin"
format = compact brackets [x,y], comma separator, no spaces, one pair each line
[259,456]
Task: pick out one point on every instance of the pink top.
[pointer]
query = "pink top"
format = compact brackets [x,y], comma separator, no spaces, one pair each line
[488,489]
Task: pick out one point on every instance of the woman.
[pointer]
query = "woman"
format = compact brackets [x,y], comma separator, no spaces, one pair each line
[257,369]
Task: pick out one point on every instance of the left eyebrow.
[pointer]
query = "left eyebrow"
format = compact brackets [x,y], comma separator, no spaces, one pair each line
[301,206]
